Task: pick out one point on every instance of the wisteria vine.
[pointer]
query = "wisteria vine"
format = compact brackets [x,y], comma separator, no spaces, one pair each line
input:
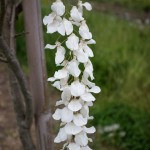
[71,80]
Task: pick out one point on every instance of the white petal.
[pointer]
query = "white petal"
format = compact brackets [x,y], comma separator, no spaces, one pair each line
[88,97]
[87,6]
[81,139]
[57,114]
[58,19]
[89,69]
[76,23]
[81,56]
[61,29]
[79,120]
[84,31]
[46,20]
[50,46]
[58,7]
[51,79]
[56,85]
[95,89]
[66,115]
[49,19]
[73,68]
[73,42]
[51,28]
[59,103]
[91,41]
[86,81]
[60,74]
[64,81]
[85,111]
[62,136]
[77,89]
[89,103]
[88,51]
[66,95]
[75,105]
[72,129]
[76,15]
[60,55]
[73,146]
[68,26]
[90,130]
[57,139]
[91,118]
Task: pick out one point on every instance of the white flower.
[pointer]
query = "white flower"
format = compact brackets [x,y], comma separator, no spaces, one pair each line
[66,115]
[95,89]
[51,79]
[73,42]
[60,74]
[58,7]
[76,15]
[65,27]
[73,68]
[57,114]
[64,81]
[77,89]
[91,41]
[84,31]
[52,21]
[90,130]
[81,55]
[86,5]
[73,146]
[85,48]
[86,81]
[57,85]
[75,105]
[66,95]
[88,97]
[72,129]
[88,51]
[49,46]
[62,136]
[79,120]
[81,139]
[85,111]
[60,54]
[89,69]
[47,20]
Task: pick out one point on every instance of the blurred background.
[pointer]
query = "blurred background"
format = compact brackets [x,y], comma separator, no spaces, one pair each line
[122,69]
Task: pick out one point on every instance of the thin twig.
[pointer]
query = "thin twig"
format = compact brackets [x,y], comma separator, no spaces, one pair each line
[3,60]
[21,33]
[25,134]
[15,66]
[18,8]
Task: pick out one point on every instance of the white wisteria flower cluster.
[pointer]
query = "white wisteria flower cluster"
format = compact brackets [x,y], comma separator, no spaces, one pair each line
[75,83]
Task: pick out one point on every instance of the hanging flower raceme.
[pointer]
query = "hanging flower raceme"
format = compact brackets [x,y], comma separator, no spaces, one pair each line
[70,79]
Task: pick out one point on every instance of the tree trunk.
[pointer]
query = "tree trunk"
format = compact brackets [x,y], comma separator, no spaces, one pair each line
[35,52]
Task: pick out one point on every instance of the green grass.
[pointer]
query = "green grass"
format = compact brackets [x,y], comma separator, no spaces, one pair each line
[121,58]
[122,70]
[121,61]
[143,5]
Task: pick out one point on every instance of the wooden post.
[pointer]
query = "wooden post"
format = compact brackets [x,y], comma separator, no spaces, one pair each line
[35,52]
